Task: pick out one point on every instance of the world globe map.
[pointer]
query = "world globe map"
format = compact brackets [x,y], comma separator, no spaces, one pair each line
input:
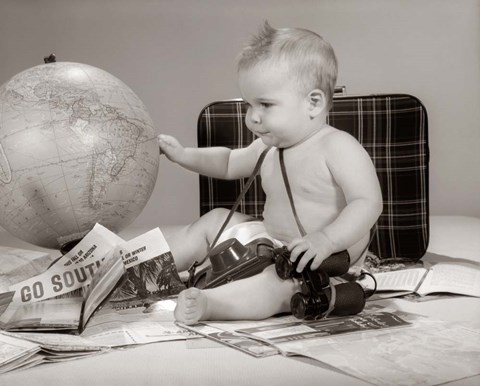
[77,147]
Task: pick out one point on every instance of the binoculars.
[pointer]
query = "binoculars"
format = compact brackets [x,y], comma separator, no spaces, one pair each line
[316,294]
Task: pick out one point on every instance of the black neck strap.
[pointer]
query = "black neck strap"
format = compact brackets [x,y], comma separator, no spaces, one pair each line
[289,193]
[249,182]
[241,195]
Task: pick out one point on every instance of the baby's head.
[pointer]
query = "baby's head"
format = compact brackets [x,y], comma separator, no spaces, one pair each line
[310,59]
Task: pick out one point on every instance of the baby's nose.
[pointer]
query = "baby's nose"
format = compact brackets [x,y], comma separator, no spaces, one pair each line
[255,117]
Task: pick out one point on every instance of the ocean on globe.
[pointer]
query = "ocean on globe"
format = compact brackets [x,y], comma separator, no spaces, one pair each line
[77,147]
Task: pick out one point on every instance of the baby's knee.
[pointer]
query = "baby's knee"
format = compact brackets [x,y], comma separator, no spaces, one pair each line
[216,215]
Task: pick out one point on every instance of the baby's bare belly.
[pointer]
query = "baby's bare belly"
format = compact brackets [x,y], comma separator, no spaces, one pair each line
[281,224]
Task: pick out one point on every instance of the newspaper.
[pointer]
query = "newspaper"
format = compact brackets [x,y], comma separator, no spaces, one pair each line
[18,264]
[15,352]
[23,350]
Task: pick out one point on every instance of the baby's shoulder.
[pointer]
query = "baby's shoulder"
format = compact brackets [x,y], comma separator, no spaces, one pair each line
[335,139]
[342,149]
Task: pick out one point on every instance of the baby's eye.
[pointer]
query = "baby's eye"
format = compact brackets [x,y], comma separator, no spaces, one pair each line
[266,105]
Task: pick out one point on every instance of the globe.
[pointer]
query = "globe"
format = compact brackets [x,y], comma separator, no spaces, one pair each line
[77,147]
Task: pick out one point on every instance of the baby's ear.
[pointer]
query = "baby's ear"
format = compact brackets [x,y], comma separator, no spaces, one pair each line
[317,102]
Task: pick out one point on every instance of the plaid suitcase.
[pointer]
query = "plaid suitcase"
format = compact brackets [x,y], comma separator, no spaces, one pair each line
[393,130]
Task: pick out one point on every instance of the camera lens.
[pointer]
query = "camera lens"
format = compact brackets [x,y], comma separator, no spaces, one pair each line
[284,266]
[299,306]
[309,306]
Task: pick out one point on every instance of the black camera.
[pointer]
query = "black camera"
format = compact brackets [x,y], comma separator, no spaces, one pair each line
[317,295]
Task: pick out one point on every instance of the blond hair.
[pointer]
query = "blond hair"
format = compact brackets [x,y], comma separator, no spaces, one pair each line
[310,58]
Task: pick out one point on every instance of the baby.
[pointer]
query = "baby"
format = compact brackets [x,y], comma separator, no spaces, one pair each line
[287,78]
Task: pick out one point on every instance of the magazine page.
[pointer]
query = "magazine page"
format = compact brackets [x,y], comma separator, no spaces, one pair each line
[457,278]
[148,270]
[239,341]
[151,274]
[101,285]
[228,333]
[402,281]
[305,330]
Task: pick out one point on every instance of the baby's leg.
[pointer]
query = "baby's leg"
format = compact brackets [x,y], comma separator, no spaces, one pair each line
[190,243]
[254,298]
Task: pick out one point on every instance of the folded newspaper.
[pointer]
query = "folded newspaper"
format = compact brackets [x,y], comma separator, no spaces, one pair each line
[20,351]
[101,266]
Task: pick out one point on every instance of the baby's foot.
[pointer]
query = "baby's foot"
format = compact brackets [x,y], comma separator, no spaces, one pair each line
[191,306]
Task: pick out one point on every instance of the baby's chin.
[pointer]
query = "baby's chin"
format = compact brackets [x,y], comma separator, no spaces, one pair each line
[268,140]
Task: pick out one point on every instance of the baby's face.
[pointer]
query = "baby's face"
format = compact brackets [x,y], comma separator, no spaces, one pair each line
[278,112]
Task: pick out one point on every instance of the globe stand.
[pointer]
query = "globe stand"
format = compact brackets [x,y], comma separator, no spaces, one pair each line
[64,249]
[67,247]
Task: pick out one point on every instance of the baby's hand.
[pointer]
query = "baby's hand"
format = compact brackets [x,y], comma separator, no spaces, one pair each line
[316,247]
[191,306]
[170,147]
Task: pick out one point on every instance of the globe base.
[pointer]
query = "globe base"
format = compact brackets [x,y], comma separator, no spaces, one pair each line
[67,247]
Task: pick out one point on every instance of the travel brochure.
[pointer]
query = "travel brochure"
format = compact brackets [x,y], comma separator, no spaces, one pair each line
[141,271]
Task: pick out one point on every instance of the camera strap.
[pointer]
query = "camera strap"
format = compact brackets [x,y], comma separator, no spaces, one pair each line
[193,267]
[289,193]
[333,292]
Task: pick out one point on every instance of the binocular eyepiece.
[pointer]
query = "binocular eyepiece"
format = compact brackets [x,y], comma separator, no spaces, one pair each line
[317,294]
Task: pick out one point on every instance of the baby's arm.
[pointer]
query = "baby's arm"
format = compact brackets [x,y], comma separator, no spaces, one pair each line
[353,170]
[217,162]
